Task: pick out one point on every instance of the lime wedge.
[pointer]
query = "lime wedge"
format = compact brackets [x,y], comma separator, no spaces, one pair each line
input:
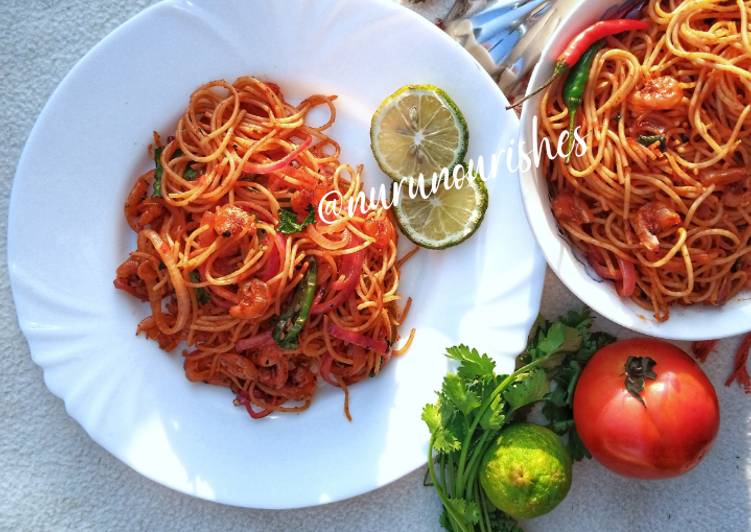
[446,218]
[418,130]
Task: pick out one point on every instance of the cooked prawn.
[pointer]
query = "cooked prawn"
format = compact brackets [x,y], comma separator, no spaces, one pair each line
[140,210]
[150,329]
[572,209]
[660,93]
[652,218]
[255,298]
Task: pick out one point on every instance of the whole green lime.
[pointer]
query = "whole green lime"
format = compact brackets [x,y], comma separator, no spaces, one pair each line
[527,472]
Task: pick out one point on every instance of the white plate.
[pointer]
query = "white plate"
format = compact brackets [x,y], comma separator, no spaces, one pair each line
[698,322]
[67,235]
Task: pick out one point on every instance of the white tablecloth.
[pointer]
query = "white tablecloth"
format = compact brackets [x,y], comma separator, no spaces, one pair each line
[54,477]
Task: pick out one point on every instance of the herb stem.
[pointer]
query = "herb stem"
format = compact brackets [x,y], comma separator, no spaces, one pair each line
[474,462]
[450,476]
[484,517]
[461,479]
[450,511]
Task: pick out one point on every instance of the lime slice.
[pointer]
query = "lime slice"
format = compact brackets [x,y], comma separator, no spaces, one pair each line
[447,217]
[418,130]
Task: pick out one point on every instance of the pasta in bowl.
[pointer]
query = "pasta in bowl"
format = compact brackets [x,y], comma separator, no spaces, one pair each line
[648,220]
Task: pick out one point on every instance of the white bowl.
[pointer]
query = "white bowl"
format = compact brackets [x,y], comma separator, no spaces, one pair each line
[698,322]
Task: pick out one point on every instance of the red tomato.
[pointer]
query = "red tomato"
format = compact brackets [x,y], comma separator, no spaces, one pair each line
[301,200]
[664,436]
[305,198]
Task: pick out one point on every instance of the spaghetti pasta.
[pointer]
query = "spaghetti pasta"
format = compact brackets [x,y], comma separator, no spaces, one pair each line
[233,262]
[661,200]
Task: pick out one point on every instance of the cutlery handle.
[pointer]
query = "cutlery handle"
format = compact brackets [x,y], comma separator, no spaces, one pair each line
[506,36]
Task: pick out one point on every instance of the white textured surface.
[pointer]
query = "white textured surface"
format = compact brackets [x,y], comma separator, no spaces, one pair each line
[54,477]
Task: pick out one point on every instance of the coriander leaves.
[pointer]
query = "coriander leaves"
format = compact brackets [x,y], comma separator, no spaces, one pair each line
[527,389]
[578,345]
[475,404]
[469,412]
[288,221]
[189,174]
[202,295]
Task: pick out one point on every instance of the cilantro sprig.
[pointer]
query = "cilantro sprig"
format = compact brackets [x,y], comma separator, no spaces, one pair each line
[579,344]
[202,295]
[189,174]
[288,221]
[475,403]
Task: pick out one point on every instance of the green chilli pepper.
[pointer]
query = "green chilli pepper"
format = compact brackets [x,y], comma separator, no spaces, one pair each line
[291,321]
[158,171]
[573,89]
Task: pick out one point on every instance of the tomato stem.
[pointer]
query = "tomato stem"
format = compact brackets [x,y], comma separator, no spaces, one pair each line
[638,369]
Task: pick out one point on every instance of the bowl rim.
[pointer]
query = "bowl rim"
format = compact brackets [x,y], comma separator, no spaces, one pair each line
[687,323]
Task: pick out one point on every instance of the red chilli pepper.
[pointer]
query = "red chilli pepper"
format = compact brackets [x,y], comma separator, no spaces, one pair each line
[580,44]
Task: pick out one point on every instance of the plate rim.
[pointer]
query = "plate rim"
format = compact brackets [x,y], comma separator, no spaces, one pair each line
[18,288]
